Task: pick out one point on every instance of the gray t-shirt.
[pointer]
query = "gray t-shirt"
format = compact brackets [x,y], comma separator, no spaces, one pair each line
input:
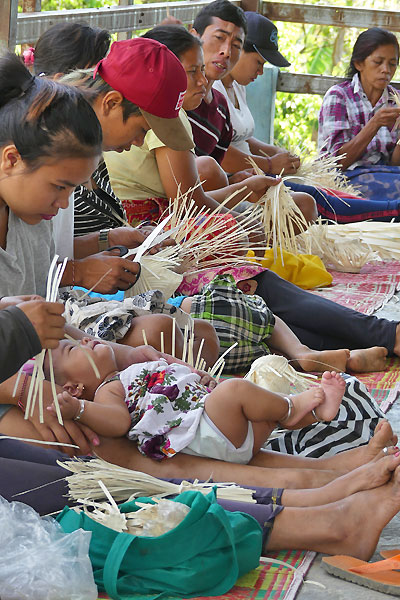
[25,263]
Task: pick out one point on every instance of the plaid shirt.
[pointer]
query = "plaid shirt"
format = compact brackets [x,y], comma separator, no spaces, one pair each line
[345,111]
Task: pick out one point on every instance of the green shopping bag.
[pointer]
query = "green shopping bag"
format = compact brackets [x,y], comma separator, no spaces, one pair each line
[203,556]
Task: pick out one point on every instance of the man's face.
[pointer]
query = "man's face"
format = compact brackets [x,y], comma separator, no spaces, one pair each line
[222,44]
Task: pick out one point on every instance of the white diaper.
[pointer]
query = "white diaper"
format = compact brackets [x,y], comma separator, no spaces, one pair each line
[210,441]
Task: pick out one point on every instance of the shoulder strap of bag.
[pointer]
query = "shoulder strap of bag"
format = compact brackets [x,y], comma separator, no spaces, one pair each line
[220,515]
[112,566]
[113,562]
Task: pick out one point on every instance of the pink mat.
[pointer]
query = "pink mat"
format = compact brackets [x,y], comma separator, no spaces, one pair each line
[366,291]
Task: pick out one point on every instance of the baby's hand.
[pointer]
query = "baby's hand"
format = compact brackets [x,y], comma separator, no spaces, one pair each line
[69,406]
[206,379]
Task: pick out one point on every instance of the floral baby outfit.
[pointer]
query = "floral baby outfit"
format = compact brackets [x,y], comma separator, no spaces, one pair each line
[166,403]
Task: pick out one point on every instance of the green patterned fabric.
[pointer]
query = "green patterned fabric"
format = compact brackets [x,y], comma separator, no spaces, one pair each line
[237,317]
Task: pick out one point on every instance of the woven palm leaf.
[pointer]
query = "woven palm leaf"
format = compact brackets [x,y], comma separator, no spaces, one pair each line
[158,272]
[341,253]
[274,373]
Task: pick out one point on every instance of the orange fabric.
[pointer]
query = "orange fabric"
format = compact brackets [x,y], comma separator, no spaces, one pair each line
[150,209]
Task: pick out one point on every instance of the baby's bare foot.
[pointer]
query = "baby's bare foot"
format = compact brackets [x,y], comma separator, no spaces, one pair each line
[326,359]
[303,404]
[333,386]
[367,360]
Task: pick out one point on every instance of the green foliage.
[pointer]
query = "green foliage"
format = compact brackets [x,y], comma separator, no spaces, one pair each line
[69,4]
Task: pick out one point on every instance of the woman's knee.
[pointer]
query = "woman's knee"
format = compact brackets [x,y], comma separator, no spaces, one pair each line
[306,204]
[211,174]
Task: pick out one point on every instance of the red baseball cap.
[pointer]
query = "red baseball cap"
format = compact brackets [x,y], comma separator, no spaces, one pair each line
[149,75]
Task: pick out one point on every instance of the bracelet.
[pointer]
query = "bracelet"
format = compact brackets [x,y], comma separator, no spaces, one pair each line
[290,408]
[103,239]
[81,409]
[314,414]
[20,403]
[73,272]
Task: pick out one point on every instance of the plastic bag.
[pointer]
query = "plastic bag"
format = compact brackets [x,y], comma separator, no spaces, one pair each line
[156,519]
[39,561]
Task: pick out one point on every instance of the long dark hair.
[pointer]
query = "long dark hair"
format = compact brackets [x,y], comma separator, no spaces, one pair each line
[43,118]
[175,37]
[68,46]
[367,42]
[222,9]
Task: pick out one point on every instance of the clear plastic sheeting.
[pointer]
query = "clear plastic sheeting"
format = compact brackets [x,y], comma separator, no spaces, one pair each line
[39,561]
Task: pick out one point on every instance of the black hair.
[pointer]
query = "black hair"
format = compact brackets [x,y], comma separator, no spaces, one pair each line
[248,47]
[222,9]
[367,42]
[68,46]
[176,37]
[43,118]
[95,86]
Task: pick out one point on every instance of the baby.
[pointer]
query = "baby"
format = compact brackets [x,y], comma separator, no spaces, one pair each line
[170,408]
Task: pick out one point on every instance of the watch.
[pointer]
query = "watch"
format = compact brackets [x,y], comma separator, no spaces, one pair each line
[103,240]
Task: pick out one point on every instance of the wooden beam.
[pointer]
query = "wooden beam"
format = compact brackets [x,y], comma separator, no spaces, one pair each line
[339,16]
[8,23]
[301,83]
[116,18]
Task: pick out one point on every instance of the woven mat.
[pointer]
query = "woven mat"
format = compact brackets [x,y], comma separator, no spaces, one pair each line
[384,386]
[267,582]
[366,291]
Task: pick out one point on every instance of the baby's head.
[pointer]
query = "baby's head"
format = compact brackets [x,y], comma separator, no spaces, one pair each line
[73,370]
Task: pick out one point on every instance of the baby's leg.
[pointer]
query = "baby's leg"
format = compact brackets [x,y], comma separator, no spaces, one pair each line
[233,403]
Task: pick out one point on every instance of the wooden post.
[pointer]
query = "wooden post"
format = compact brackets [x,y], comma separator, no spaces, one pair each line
[250,5]
[8,23]
[30,6]
[125,35]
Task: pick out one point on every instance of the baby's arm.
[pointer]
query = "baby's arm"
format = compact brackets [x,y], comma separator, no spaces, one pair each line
[107,415]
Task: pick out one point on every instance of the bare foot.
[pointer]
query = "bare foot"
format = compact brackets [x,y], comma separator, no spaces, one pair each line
[383,438]
[333,386]
[335,360]
[351,459]
[303,404]
[379,506]
[367,360]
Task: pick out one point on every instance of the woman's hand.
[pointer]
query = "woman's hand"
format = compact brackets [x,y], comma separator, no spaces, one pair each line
[385,117]
[47,319]
[126,236]
[258,185]
[107,271]
[286,161]
[14,300]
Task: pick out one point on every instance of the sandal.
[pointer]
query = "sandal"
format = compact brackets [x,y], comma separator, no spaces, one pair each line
[381,576]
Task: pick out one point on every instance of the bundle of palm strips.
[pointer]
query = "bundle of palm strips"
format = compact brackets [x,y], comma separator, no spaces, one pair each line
[208,238]
[324,171]
[124,484]
[348,247]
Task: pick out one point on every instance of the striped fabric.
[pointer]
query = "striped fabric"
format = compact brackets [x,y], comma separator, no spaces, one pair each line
[211,126]
[96,210]
[353,426]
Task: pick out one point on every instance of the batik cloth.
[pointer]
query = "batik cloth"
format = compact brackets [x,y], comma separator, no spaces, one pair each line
[166,403]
